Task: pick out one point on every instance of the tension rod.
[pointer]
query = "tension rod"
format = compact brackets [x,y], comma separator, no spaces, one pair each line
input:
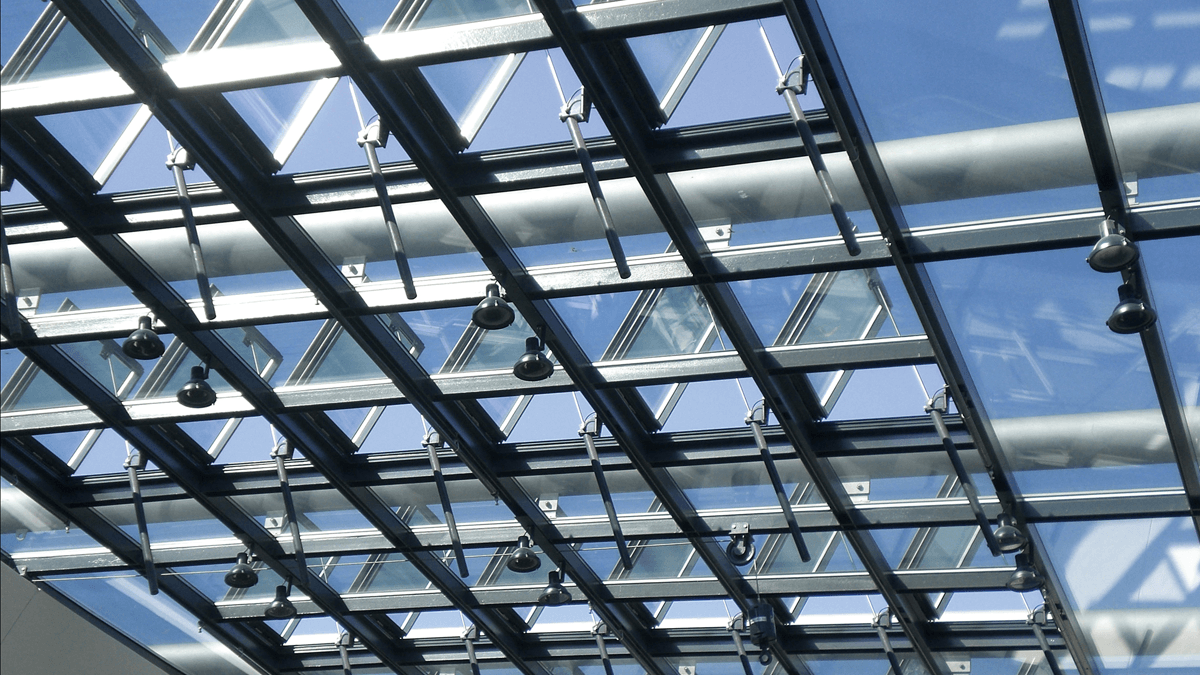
[936,407]
[282,452]
[178,161]
[757,418]
[432,442]
[881,622]
[10,319]
[135,461]
[589,430]
[468,638]
[736,633]
[598,632]
[343,645]
[371,137]
[573,112]
[1037,619]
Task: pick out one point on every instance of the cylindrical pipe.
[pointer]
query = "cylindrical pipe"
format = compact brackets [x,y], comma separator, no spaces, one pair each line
[143,533]
[780,494]
[1002,160]
[289,507]
[448,511]
[593,183]
[197,254]
[844,225]
[389,219]
[964,479]
[606,496]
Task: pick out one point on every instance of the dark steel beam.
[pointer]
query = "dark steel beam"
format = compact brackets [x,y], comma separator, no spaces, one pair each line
[831,79]
[1085,85]
[52,492]
[630,131]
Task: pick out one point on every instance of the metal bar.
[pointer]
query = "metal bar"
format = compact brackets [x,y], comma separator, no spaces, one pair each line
[369,142]
[590,428]
[343,644]
[177,165]
[845,227]
[593,183]
[10,320]
[432,442]
[813,35]
[935,410]
[599,631]
[785,504]
[281,452]
[134,462]
[881,622]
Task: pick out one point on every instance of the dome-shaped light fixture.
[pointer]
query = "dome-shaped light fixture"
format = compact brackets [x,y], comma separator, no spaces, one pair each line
[242,575]
[1008,537]
[143,343]
[523,559]
[1024,578]
[493,313]
[280,607]
[741,547]
[533,364]
[197,393]
[1132,314]
[554,593]
[1114,252]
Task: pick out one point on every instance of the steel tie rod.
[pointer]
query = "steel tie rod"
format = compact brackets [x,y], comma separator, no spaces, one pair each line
[133,462]
[936,407]
[178,161]
[589,430]
[280,453]
[370,138]
[432,442]
[756,418]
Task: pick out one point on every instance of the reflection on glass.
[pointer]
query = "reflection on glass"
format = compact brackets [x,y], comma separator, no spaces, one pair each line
[26,527]
[156,622]
[166,520]
[669,61]
[1135,587]
[1168,266]
[52,48]
[90,135]
[280,115]
[1072,403]
[469,89]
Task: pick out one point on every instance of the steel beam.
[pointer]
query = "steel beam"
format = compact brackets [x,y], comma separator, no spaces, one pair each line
[829,74]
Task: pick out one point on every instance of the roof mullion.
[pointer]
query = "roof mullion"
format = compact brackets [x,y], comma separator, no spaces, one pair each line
[50,492]
[320,443]
[784,396]
[813,35]
[1072,38]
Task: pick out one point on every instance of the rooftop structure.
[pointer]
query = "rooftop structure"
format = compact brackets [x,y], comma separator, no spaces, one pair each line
[676,337]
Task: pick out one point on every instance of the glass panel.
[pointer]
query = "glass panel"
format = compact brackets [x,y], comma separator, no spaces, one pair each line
[280,115]
[982,120]
[578,495]
[670,60]
[266,21]
[1168,265]
[1072,402]
[724,487]
[166,520]
[89,135]
[16,19]
[871,393]
[316,511]
[418,503]
[712,404]
[329,141]
[772,201]
[434,242]
[65,445]
[468,89]
[909,475]
[379,573]
[549,417]
[527,111]
[26,527]
[236,257]
[155,621]
[28,388]
[210,580]
[652,559]
[52,47]
[142,166]
[1135,586]
[480,349]
[594,319]
[170,26]
[738,78]
[559,224]
[398,428]
[107,364]
[371,17]
[49,273]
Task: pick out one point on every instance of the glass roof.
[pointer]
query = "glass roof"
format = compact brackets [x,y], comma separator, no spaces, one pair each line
[806,371]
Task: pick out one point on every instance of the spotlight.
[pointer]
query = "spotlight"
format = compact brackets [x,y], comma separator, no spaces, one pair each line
[492,312]
[741,548]
[533,364]
[1114,252]
[554,593]
[143,344]
[1024,578]
[242,575]
[523,559]
[1008,537]
[197,393]
[762,630]
[280,607]
[1131,315]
